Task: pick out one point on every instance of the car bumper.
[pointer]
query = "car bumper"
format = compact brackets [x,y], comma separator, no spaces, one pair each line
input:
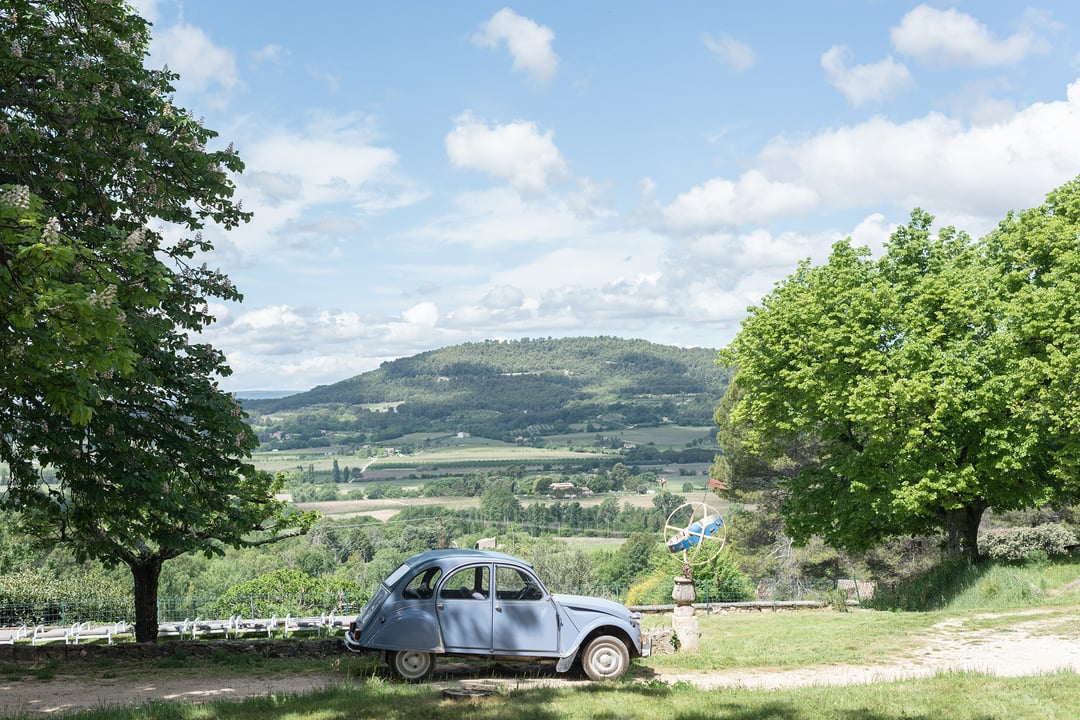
[352,645]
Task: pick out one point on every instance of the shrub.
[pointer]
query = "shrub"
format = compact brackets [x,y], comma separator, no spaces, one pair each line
[287,591]
[650,591]
[1022,543]
[720,579]
[38,597]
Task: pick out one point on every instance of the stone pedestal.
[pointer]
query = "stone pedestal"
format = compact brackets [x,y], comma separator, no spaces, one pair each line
[684,622]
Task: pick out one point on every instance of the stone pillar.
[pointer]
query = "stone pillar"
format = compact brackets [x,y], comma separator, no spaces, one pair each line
[684,622]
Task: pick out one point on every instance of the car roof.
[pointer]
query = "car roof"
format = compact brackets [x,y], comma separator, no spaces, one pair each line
[464,554]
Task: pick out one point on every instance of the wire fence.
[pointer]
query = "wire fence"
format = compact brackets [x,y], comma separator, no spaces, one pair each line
[64,612]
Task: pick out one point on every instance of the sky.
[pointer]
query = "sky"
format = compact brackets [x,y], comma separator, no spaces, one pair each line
[424,174]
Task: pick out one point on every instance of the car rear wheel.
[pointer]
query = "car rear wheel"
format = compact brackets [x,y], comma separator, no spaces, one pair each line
[605,658]
[411,665]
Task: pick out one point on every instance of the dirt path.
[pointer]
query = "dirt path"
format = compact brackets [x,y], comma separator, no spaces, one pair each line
[1023,648]
[1029,645]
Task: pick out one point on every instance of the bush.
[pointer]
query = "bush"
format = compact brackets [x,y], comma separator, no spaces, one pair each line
[719,579]
[285,592]
[34,597]
[1022,543]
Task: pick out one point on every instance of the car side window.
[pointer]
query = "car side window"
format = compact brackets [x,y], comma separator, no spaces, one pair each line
[422,586]
[470,583]
[515,584]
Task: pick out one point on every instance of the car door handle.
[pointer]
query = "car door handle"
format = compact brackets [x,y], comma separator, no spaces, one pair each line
[498,608]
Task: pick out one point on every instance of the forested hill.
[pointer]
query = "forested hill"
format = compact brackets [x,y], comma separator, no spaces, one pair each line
[522,387]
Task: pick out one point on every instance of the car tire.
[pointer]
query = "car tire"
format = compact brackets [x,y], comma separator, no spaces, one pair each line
[605,658]
[411,665]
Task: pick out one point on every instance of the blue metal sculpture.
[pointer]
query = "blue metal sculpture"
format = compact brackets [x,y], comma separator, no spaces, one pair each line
[695,530]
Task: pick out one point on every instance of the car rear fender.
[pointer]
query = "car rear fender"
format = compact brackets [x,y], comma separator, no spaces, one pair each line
[408,628]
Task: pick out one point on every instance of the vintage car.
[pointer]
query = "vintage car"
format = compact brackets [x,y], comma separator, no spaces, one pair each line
[489,604]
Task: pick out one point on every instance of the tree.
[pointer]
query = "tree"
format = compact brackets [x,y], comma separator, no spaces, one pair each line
[498,503]
[619,475]
[930,385]
[148,452]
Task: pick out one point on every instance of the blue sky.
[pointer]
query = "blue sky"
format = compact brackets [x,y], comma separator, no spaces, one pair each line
[429,173]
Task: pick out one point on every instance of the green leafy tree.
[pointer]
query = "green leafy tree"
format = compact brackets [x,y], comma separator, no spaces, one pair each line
[562,568]
[111,391]
[59,332]
[499,503]
[619,476]
[633,558]
[931,385]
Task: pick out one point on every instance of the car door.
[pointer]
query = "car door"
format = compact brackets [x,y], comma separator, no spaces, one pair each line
[464,609]
[525,621]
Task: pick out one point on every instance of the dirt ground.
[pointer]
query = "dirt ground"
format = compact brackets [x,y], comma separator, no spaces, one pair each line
[1029,645]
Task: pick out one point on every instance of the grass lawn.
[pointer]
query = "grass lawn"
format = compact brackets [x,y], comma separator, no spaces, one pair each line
[751,642]
[959,696]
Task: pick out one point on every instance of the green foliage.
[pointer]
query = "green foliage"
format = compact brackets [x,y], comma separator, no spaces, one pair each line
[651,590]
[51,290]
[77,585]
[907,395]
[499,504]
[110,392]
[285,591]
[720,579]
[562,567]
[42,597]
[637,555]
[1020,543]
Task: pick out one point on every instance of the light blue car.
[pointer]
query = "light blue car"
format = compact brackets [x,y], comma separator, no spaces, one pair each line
[488,604]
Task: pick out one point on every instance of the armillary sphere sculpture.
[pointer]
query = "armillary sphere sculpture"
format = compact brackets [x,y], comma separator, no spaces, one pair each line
[696,531]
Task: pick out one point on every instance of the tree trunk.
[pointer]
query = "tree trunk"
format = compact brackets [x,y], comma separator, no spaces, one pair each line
[146,573]
[962,530]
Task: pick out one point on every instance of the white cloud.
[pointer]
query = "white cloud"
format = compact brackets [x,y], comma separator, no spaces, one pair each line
[529,43]
[270,53]
[517,152]
[736,56]
[327,161]
[873,232]
[950,38]
[314,184]
[203,66]
[425,315]
[598,258]
[753,198]
[147,9]
[863,83]
[936,162]
[501,217]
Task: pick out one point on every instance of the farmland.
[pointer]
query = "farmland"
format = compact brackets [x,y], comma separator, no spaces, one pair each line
[386,508]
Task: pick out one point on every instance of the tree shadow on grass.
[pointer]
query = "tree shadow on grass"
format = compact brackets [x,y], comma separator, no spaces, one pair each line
[932,589]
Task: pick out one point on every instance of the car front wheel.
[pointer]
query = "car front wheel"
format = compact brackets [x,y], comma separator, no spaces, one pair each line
[411,665]
[605,658]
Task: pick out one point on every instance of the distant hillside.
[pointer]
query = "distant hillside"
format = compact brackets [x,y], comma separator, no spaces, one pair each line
[507,390]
